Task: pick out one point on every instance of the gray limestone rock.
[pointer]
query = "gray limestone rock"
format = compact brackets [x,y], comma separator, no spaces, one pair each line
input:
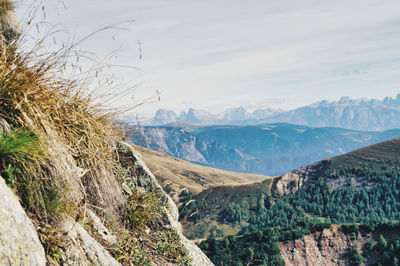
[19,241]
[100,228]
[83,249]
[144,178]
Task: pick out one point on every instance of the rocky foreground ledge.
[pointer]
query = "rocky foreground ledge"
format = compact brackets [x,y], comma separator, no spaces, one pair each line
[21,245]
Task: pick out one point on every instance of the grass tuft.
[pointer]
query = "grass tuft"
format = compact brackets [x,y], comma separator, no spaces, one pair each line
[142,208]
[58,151]
[47,112]
[5,7]
[20,144]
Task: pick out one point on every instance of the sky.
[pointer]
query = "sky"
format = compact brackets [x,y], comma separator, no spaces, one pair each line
[214,55]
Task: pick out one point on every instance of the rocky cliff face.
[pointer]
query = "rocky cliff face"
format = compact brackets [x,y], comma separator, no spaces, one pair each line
[20,242]
[329,247]
[146,179]
[296,179]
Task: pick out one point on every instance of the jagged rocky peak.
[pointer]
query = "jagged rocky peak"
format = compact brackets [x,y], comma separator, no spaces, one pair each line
[164,116]
[266,112]
[357,114]
[395,102]
[344,100]
[198,116]
[234,114]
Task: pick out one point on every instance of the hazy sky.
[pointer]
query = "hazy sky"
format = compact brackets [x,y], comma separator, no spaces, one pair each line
[261,53]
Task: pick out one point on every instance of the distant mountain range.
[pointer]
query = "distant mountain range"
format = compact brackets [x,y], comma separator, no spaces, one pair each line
[267,149]
[359,114]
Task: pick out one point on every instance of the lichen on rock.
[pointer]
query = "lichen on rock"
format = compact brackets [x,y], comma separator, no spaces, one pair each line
[19,241]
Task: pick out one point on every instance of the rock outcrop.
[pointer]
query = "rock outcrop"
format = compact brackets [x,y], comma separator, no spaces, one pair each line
[20,244]
[296,179]
[83,249]
[19,241]
[329,247]
[143,177]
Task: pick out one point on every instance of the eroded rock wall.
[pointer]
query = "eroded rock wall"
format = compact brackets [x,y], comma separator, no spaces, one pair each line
[144,178]
[329,247]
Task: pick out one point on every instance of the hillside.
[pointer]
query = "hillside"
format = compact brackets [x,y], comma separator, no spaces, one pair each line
[358,187]
[355,114]
[72,191]
[267,149]
[222,210]
[310,244]
[178,174]
[274,200]
[384,155]
[184,181]
[379,153]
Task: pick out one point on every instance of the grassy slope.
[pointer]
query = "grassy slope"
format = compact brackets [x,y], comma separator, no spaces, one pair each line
[217,187]
[381,152]
[218,198]
[194,177]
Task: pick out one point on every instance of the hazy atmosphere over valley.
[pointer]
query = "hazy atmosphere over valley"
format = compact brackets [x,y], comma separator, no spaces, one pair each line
[183,132]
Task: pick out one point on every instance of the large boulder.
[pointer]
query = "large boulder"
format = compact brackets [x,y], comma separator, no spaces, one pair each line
[19,241]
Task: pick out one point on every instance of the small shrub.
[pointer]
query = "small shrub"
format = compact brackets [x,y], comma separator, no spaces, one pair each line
[170,246]
[21,157]
[350,228]
[142,208]
[368,246]
[53,242]
[355,257]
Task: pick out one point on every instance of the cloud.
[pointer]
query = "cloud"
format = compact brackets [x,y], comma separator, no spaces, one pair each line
[218,54]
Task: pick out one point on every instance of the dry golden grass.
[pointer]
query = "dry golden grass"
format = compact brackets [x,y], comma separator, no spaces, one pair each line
[5,7]
[63,115]
[188,175]
[58,152]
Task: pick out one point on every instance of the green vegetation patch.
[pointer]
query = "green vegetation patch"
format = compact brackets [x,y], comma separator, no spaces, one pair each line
[258,248]
[142,208]
[230,206]
[21,159]
[370,193]
[145,237]
[20,144]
